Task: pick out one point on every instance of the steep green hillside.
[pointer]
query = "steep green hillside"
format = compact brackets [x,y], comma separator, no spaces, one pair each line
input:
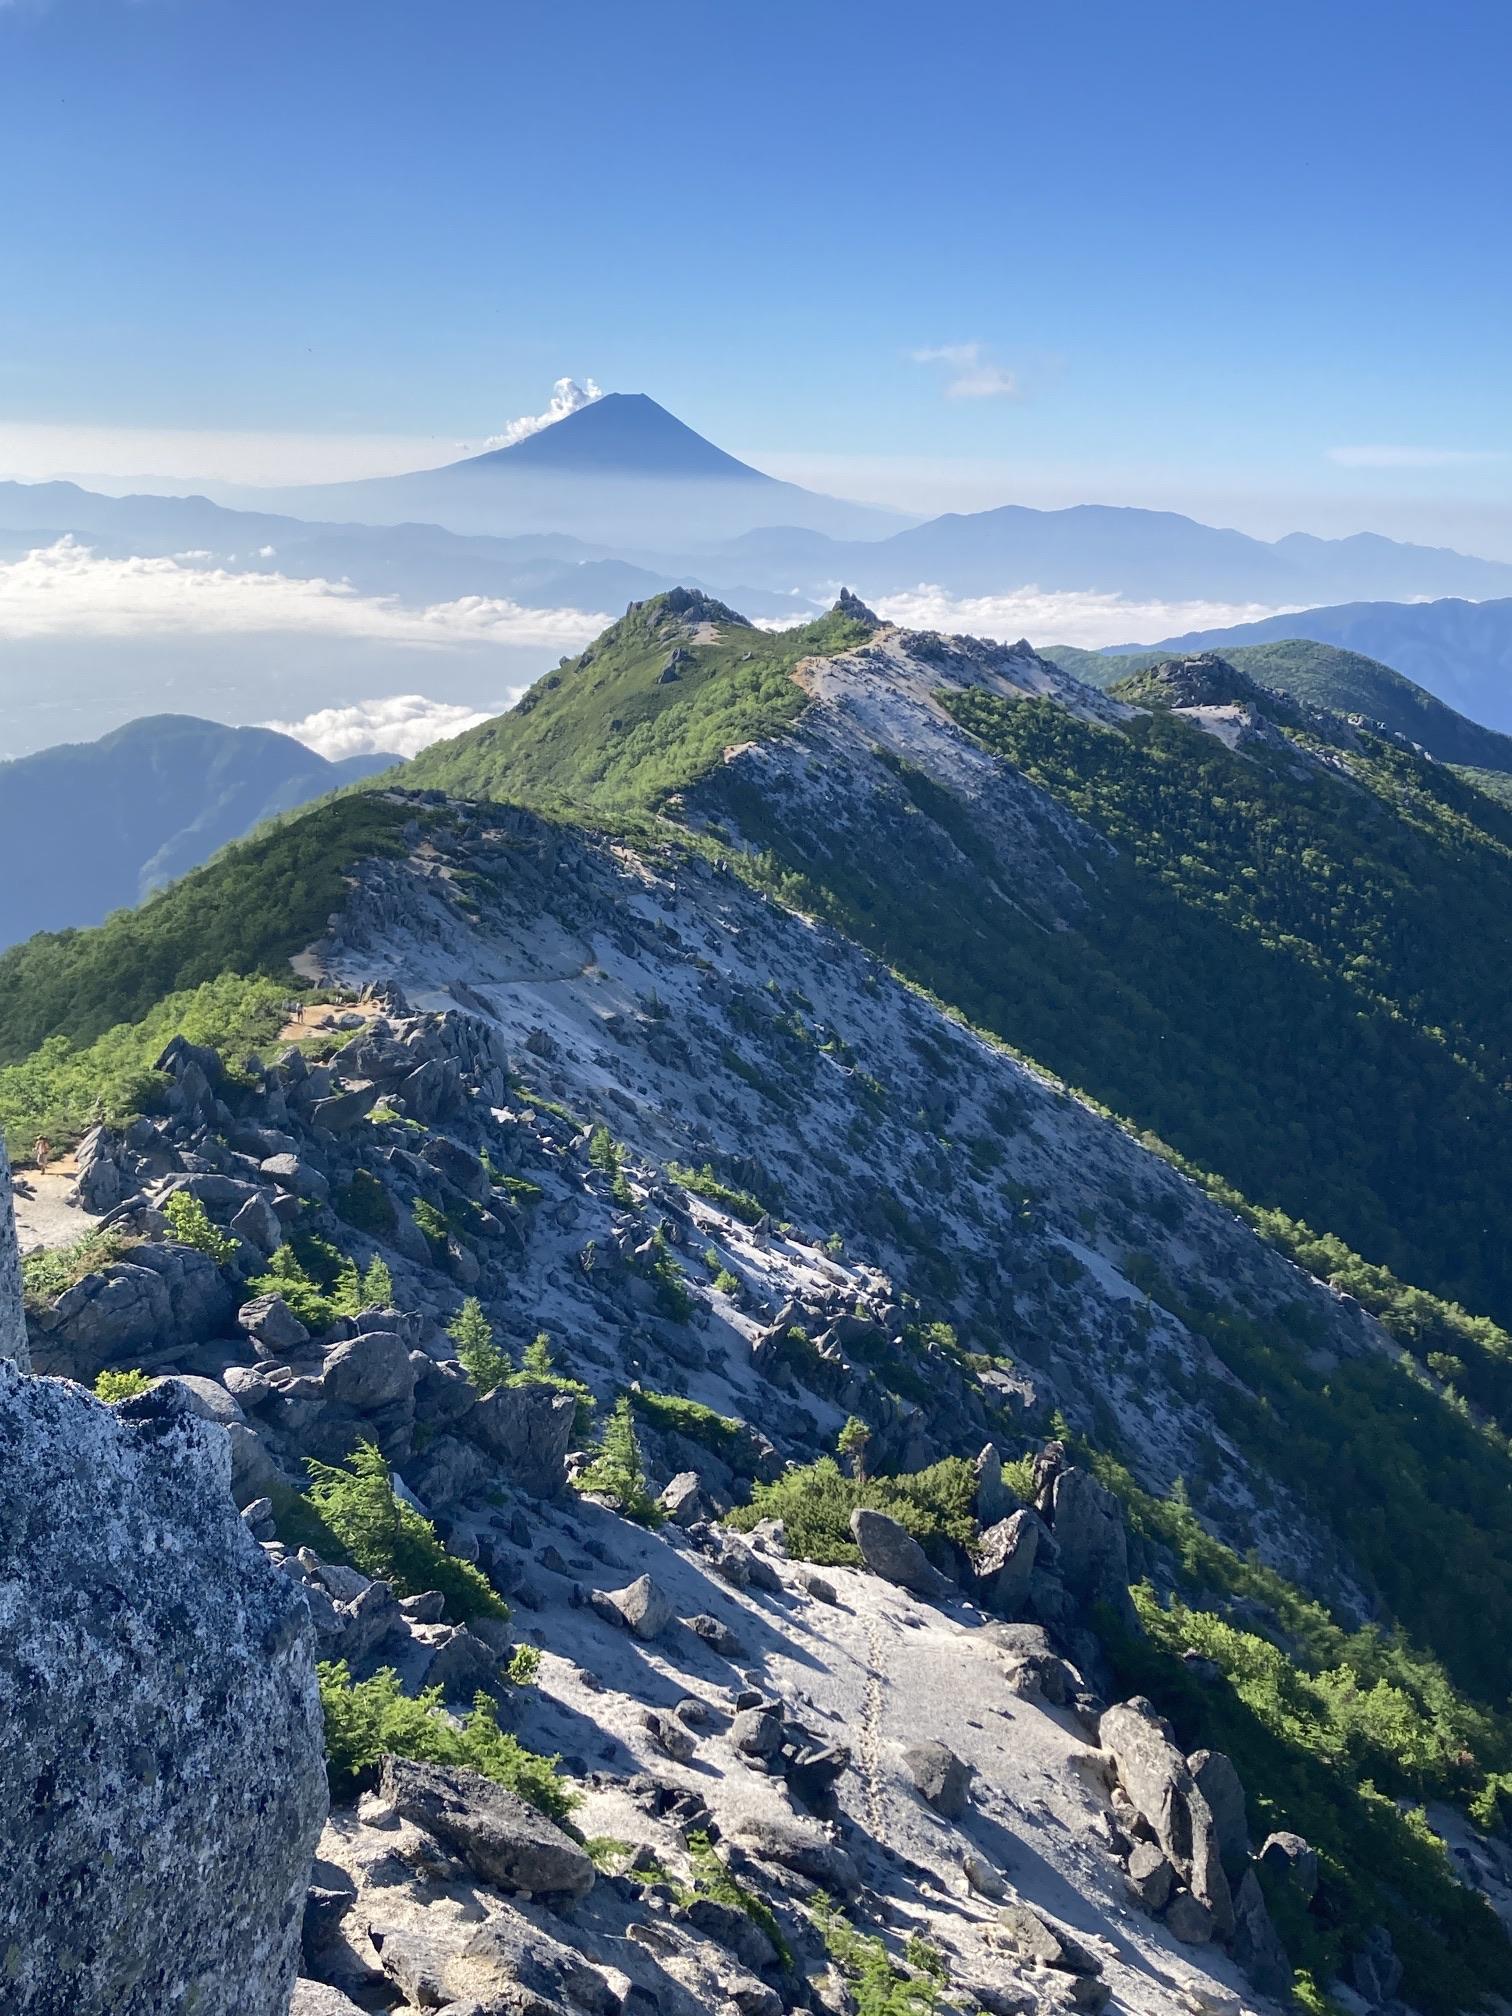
[1300,983]
[643,712]
[247,912]
[1328,676]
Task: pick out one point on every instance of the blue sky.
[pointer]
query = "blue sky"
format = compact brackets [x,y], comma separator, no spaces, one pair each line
[1247,262]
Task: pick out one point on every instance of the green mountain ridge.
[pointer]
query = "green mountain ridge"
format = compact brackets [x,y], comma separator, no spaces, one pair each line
[1328,676]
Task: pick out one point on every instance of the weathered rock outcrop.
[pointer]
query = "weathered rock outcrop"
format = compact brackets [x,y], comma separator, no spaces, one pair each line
[162,1783]
[1160,1785]
[13,1346]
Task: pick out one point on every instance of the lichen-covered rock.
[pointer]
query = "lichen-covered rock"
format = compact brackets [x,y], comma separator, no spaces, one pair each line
[13,1346]
[162,1782]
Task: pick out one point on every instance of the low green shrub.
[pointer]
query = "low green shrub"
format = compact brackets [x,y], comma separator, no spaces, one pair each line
[190,1225]
[713,1880]
[113,1387]
[704,1183]
[389,1540]
[815,1501]
[365,1204]
[52,1272]
[674,1414]
[286,1275]
[367,1720]
[878,1986]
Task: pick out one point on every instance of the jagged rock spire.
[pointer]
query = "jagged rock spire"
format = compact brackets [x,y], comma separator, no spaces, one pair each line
[12,1316]
[849,604]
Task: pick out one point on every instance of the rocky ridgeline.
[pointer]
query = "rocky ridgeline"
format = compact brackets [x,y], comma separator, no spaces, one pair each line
[924,1742]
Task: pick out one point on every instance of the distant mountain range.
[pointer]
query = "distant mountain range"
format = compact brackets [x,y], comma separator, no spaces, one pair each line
[1327,676]
[621,500]
[101,824]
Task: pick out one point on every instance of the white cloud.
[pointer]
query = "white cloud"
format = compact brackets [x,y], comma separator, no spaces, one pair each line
[567,396]
[971,372]
[1387,456]
[1082,617]
[67,589]
[402,725]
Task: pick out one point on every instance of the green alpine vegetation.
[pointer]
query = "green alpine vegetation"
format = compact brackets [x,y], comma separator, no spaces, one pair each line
[641,714]
[63,1087]
[368,1720]
[247,912]
[352,1513]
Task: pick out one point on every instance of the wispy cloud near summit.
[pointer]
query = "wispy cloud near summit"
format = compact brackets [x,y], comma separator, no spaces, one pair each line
[567,396]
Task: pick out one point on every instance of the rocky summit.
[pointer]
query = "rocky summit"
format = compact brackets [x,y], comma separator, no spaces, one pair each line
[638,1271]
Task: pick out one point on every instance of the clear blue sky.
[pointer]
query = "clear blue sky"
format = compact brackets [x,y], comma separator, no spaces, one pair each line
[1213,246]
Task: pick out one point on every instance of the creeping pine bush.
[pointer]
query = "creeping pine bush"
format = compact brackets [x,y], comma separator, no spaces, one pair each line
[815,1501]
[878,1986]
[49,1273]
[367,1720]
[190,1225]
[356,1505]
[618,1472]
[365,1203]
[115,1386]
[286,1275]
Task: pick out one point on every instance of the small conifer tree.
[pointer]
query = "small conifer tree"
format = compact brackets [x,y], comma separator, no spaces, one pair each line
[618,1472]
[484,1362]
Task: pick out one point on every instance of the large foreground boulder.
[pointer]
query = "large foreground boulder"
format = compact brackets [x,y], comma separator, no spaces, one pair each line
[162,1782]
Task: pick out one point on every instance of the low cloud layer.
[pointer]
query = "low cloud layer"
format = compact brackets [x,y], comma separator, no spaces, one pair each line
[1061,617]
[567,396]
[401,725]
[67,589]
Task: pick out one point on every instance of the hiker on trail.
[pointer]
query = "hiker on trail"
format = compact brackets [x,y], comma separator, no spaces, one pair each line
[42,1154]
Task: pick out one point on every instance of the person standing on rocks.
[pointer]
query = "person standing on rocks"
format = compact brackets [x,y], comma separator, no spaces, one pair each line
[42,1154]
